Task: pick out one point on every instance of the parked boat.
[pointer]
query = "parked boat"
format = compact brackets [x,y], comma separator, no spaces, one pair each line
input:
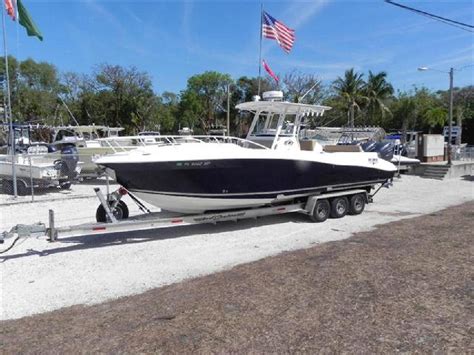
[36,164]
[220,173]
[87,140]
[391,150]
[37,171]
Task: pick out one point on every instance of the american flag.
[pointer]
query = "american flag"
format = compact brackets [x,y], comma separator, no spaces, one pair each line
[274,29]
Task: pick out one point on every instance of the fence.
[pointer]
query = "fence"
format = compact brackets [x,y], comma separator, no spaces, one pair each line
[461,153]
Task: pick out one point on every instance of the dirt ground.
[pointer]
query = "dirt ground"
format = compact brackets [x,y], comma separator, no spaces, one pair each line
[407,286]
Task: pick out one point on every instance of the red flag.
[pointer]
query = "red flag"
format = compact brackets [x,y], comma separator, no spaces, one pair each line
[270,71]
[10,9]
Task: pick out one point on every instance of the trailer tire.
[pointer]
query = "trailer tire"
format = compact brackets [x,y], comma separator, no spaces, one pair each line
[21,188]
[7,187]
[120,212]
[321,211]
[357,204]
[339,207]
[66,186]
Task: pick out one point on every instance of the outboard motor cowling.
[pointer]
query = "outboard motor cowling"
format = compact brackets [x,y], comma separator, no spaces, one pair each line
[385,150]
[368,146]
[69,158]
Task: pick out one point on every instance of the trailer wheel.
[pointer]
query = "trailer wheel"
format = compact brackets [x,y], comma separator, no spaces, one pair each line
[321,211]
[339,207]
[7,187]
[120,212]
[66,185]
[21,188]
[357,204]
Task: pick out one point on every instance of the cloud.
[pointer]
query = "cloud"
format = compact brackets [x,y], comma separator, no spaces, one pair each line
[126,39]
[189,41]
[135,17]
[416,25]
[462,56]
[106,15]
[300,12]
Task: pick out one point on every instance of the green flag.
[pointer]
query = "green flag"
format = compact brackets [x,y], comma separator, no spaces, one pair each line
[27,22]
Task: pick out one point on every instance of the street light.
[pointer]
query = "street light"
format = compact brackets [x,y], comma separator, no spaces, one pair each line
[450,72]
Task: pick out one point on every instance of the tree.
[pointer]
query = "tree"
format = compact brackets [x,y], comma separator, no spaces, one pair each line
[245,88]
[463,110]
[350,90]
[121,89]
[434,116]
[404,113]
[203,98]
[34,89]
[191,110]
[298,85]
[378,91]
[168,111]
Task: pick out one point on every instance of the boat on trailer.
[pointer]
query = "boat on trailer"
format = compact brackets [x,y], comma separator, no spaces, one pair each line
[202,174]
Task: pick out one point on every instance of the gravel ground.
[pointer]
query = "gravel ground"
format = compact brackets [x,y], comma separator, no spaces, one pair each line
[406,286]
[38,276]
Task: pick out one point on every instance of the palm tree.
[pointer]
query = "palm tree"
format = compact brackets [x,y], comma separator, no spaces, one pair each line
[404,112]
[350,90]
[378,91]
[435,116]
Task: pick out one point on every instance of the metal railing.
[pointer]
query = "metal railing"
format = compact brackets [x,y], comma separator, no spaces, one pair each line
[463,153]
[130,142]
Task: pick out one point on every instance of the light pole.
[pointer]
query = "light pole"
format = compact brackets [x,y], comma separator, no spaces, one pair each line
[228,109]
[450,126]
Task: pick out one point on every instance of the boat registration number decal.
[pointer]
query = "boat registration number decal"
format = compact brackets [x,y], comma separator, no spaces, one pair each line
[193,164]
[373,161]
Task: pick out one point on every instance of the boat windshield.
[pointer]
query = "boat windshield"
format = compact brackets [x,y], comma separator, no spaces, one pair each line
[266,124]
[64,133]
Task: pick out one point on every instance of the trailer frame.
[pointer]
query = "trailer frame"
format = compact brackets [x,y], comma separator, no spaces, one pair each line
[156,220]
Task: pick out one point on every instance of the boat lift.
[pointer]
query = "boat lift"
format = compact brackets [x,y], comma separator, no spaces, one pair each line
[113,214]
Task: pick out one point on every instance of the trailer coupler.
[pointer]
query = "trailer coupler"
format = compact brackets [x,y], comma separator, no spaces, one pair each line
[24,230]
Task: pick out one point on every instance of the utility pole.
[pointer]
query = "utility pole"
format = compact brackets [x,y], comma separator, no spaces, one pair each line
[450,117]
[451,74]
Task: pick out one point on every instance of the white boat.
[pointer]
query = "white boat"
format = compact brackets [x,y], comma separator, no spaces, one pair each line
[92,141]
[33,165]
[30,170]
[220,173]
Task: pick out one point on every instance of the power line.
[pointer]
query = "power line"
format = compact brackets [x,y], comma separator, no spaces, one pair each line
[445,20]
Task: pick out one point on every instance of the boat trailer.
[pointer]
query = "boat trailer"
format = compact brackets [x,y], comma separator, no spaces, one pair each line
[113,214]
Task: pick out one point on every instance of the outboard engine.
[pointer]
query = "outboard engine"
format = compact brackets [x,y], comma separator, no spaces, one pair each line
[69,160]
[368,146]
[402,150]
[385,150]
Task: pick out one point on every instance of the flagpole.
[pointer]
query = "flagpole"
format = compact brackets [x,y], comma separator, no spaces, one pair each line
[260,53]
[9,109]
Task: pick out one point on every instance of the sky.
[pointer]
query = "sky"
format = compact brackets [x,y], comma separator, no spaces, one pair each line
[173,40]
